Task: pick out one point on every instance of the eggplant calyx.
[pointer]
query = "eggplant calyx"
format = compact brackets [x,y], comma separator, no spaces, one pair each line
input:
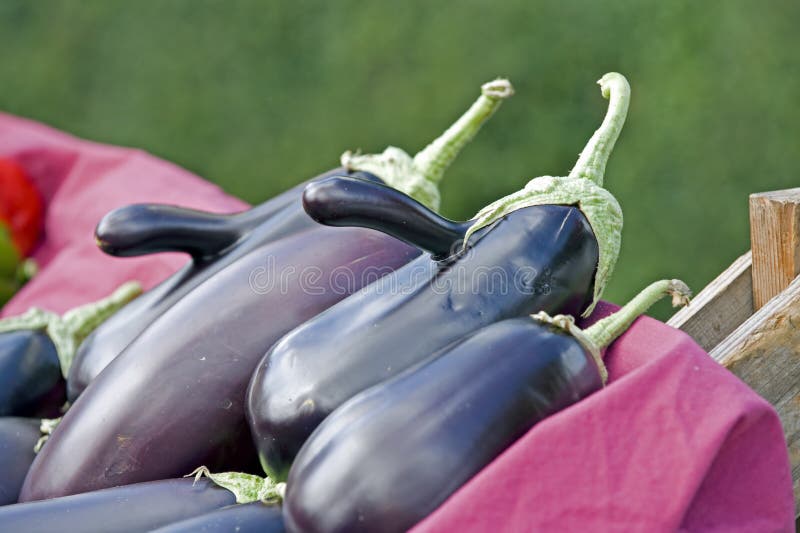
[606,330]
[46,427]
[419,176]
[246,487]
[567,323]
[68,331]
[599,206]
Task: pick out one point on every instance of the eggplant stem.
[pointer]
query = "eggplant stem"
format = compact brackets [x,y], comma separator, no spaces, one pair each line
[433,160]
[419,176]
[591,164]
[606,330]
[46,428]
[567,323]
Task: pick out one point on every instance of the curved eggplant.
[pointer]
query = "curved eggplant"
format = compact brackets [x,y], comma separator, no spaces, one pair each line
[18,436]
[392,454]
[254,517]
[344,201]
[550,246]
[29,373]
[270,221]
[139,507]
[140,229]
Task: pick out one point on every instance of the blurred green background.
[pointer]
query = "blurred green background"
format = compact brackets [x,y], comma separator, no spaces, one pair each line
[259,95]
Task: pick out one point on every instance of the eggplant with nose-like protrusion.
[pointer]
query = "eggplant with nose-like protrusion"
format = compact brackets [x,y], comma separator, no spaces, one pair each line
[213,241]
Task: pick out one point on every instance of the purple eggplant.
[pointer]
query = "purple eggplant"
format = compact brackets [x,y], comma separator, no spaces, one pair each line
[31,383]
[392,454]
[254,517]
[18,436]
[213,241]
[176,394]
[138,507]
[36,349]
[550,246]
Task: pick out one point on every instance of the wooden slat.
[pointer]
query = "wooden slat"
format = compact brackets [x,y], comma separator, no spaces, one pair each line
[719,308]
[775,241]
[765,353]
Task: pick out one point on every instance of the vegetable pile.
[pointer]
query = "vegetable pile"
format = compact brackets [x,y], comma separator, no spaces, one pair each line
[366,354]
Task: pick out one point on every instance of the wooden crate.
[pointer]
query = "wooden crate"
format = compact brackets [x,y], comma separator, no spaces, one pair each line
[748,318]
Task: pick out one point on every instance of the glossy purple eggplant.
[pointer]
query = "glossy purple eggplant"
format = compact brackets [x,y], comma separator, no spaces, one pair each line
[18,436]
[142,229]
[31,383]
[254,517]
[392,454]
[550,246]
[176,394]
[138,507]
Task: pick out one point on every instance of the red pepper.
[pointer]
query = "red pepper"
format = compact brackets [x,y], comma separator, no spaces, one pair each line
[21,207]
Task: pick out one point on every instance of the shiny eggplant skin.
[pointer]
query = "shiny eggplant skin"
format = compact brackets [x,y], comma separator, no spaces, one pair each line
[252,229]
[255,517]
[331,202]
[139,507]
[391,455]
[537,258]
[31,383]
[18,436]
[176,394]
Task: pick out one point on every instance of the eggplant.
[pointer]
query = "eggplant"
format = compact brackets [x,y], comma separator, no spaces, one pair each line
[253,517]
[36,349]
[213,242]
[138,507]
[193,364]
[30,374]
[237,235]
[18,436]
[392,454]
[550,246]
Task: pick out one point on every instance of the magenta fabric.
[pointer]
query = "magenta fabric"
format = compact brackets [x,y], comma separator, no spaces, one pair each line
[674,442]
[81,181]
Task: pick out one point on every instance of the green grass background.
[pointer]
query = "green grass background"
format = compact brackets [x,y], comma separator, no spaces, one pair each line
[259,95]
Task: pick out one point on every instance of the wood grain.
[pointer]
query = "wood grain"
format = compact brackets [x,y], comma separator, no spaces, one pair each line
[775,242]
[765,353]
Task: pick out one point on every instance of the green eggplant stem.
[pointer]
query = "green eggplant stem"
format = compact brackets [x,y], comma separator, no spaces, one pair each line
[606,330]
[591,164]
[419,176]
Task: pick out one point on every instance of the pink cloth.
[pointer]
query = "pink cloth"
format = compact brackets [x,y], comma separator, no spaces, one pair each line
[81,181]
[675,442]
